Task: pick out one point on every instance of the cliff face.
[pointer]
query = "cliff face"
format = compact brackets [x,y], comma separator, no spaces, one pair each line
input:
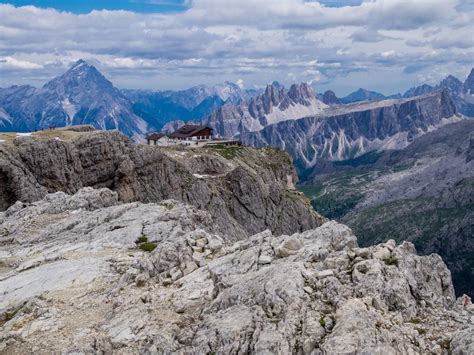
[423,194]
[74,279]
[246,190]
[350,131]
[274,105]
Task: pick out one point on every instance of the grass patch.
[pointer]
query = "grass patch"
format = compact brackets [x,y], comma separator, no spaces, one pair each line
[365,159]
[445,344]
[141,239]
[322,323]
[168,205]
[144,244]
[391,261]
[228,152]
[8,316]
[147,246]
[421,331]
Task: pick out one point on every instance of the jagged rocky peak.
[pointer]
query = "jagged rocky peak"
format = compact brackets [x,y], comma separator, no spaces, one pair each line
[82,95]
[330,98]
[419,90]
[331,138]
[272,96]
[452,84]
[79,77]
[277,84]
[469,83]
[362,95]
[301,93]
[95,275]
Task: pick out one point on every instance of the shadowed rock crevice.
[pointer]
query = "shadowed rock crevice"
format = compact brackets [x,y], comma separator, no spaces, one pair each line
[7,195]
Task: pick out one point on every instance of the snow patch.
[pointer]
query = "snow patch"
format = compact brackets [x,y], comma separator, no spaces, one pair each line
[295,112]
[70,109]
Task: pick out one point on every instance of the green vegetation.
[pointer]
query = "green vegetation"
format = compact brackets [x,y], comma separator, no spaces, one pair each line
[322,322]
[421,331]
[168,205]
[228,152]
[144,244]
[415,321]
[335,195]
[366,159]
[147,246]
[11,314]
[391,261]
[141,239]
[445,344]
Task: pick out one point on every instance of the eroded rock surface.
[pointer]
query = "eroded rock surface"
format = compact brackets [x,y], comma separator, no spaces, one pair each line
[74,279]
[246,190]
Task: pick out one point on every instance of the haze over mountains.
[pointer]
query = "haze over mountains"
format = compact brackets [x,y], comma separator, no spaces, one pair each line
[84,95]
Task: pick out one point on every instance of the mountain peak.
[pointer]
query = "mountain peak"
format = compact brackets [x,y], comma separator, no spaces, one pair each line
[81,75]
[78,64]
[362,95]
[330,98]
[469,83]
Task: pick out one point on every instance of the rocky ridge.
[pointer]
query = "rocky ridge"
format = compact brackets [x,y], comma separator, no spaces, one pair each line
[423,194]
[246,190]
[276,104]
[75,279]
[345,132]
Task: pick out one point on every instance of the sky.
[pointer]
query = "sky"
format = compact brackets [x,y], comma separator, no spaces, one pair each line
[383,45]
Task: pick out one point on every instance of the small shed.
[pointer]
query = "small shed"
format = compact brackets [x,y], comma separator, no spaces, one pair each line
[154,137]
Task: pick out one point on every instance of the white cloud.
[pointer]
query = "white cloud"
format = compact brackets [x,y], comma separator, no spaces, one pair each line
[256,41]
[13,63]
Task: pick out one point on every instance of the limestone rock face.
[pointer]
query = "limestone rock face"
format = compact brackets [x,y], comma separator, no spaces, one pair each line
[246,190]
[74,278]
[348,131]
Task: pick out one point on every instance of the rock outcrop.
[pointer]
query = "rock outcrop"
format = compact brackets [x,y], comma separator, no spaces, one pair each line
[246,190]
[274,105]
[461,93]
[85,274]
[351,130]
[423,194]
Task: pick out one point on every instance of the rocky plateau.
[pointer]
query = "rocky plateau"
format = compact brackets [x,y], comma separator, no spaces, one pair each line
[75,278]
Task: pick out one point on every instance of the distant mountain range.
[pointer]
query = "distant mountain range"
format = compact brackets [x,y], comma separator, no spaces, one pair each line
[348,131]
[423,193]
[275,104]
[84,95]
[160,107]
[461,92]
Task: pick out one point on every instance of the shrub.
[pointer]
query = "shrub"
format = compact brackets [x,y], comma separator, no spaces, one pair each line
[11,314]
[168,205]
[421,331]
[147,246]
[445,344]
[391,261]
[415,321]
[141,239]
[322,322]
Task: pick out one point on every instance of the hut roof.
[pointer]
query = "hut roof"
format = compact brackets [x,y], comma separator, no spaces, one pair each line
[188,131]
[155,136]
